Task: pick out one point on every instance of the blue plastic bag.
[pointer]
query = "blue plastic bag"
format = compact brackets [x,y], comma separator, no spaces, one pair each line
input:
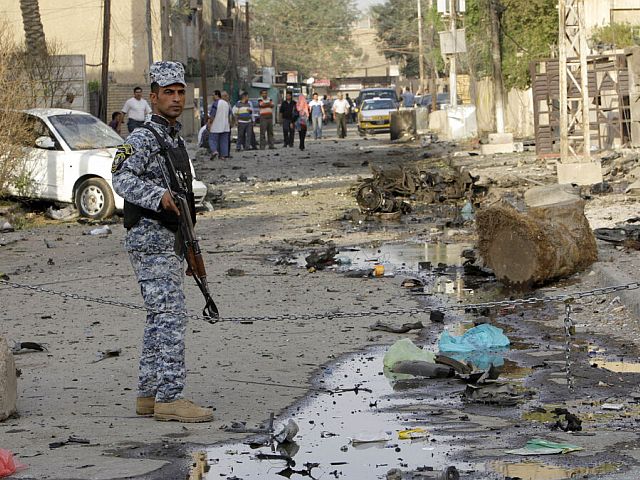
[482,337]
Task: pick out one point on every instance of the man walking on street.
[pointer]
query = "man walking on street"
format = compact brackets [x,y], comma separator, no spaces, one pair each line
[151,220]
[136,109]
[408,98]
[286,116]
[317,115]
[341,110]
[242,112]
[265,104]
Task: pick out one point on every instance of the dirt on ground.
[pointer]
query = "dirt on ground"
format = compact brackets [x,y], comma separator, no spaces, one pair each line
[269,208]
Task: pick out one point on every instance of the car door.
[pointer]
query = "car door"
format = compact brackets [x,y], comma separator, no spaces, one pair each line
[42,173]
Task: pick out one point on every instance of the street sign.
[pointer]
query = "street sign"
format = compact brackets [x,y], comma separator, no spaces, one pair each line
[448,46]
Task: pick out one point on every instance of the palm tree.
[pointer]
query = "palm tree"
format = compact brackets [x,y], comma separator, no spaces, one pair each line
[33,29]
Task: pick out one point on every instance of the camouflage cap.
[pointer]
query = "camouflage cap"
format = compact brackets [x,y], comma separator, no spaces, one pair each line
[167,73]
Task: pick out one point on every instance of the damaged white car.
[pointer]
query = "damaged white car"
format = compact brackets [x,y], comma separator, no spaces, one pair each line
[68,158]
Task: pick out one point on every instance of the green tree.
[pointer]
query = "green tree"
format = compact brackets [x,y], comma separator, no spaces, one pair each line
[396,22]
[614,35]
[529,30]
[313,38]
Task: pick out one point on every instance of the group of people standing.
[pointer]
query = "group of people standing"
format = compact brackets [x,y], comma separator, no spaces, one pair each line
[295,116]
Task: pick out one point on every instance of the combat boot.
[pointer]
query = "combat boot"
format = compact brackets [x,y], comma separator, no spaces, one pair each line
[182,410]
[145,405]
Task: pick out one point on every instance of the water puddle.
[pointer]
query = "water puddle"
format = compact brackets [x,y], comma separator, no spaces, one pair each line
[399,257]
[541,471]
[599,358]
[331,425]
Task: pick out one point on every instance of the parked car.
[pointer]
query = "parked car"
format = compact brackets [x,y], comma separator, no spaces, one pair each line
[375,115]
[442,100]
[378,92]
[68,158]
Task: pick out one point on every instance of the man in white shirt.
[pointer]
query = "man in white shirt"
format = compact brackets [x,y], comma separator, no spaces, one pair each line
[136,109]
[341,110]
[219,127]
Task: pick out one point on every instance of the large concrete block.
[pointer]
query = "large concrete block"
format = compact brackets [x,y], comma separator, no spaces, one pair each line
[500,138]
[585,173]
[8,381]
[491,148]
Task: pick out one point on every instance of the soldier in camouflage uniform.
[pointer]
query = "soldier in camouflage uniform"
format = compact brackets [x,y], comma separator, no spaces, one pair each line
[151,219]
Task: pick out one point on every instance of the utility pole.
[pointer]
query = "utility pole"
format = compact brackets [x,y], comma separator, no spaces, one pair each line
[420,48]
[104,87]
[247,54]
[274,63]
[453,78]
[572,63]
[496,57]
[149,32]
[165,26]
[433,88]
[202,35]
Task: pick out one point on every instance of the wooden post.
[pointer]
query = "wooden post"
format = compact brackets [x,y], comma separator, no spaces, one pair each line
[584,84]
[562,67]
[104,77]
[420,48]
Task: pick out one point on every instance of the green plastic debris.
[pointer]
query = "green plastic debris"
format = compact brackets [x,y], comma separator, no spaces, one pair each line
[404,350]
[539,446]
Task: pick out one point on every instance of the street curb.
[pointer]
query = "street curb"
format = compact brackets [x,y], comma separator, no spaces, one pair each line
[609,275]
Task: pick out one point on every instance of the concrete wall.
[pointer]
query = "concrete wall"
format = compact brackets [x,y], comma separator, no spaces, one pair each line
[633,61]
[518,109]
[602,12]
[76,27]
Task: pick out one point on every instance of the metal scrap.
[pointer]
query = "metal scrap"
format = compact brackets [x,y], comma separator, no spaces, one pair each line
[383,192]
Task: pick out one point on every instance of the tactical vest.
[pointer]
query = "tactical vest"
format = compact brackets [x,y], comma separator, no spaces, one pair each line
[179,158]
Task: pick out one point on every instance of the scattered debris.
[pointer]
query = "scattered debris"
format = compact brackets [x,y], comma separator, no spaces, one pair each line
[413,434]
[404,328]
[103,230]
[286,432]
[66,213]
[236,272]
[6,227]
[419,368]
[538,446]
[567,421]
[320,259]
[107,354]
[71,439]
[27,347]
[612,406]
[493,393]
[378,437]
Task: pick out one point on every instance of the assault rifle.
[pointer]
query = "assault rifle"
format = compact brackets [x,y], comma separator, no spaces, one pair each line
[186,233]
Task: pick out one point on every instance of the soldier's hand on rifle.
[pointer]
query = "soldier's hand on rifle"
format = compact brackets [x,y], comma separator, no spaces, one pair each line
[168,204]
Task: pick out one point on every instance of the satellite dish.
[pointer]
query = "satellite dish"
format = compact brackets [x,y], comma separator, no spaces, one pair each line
[310,80]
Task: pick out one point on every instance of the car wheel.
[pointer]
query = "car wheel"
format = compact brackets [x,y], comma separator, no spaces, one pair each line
[94,199]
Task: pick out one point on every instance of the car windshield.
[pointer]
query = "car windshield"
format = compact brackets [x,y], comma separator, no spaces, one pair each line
[383,104]
[84,132]
[378,93]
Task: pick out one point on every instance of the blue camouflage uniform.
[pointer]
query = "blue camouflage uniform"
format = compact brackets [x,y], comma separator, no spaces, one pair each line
[137,177]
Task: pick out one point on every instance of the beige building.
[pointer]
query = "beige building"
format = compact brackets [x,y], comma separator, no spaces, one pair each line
[370,67]
[75,27]
[603,12]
